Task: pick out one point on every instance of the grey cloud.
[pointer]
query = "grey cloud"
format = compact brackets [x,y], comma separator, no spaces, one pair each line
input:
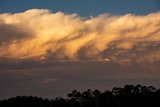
[58,80]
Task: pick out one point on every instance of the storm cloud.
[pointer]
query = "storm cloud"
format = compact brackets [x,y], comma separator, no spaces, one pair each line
[50,54]
[40,35]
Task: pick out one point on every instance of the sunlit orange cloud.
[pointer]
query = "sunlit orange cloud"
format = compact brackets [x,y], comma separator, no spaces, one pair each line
[42,35]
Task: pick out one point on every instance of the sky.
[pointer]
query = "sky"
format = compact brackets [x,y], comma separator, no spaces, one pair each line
[50,47]
[83,7]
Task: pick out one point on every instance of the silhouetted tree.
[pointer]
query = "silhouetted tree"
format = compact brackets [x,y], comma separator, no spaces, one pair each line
[128,96]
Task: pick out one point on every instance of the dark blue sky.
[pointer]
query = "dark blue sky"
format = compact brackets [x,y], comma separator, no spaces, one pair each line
[83,7]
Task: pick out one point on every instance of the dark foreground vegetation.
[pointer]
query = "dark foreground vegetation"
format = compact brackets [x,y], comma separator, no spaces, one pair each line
[128,96]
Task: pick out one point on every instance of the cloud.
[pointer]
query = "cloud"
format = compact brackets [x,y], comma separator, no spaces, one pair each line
[42,36]
[61,79]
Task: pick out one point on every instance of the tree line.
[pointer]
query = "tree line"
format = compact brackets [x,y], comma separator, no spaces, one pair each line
[127,96]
